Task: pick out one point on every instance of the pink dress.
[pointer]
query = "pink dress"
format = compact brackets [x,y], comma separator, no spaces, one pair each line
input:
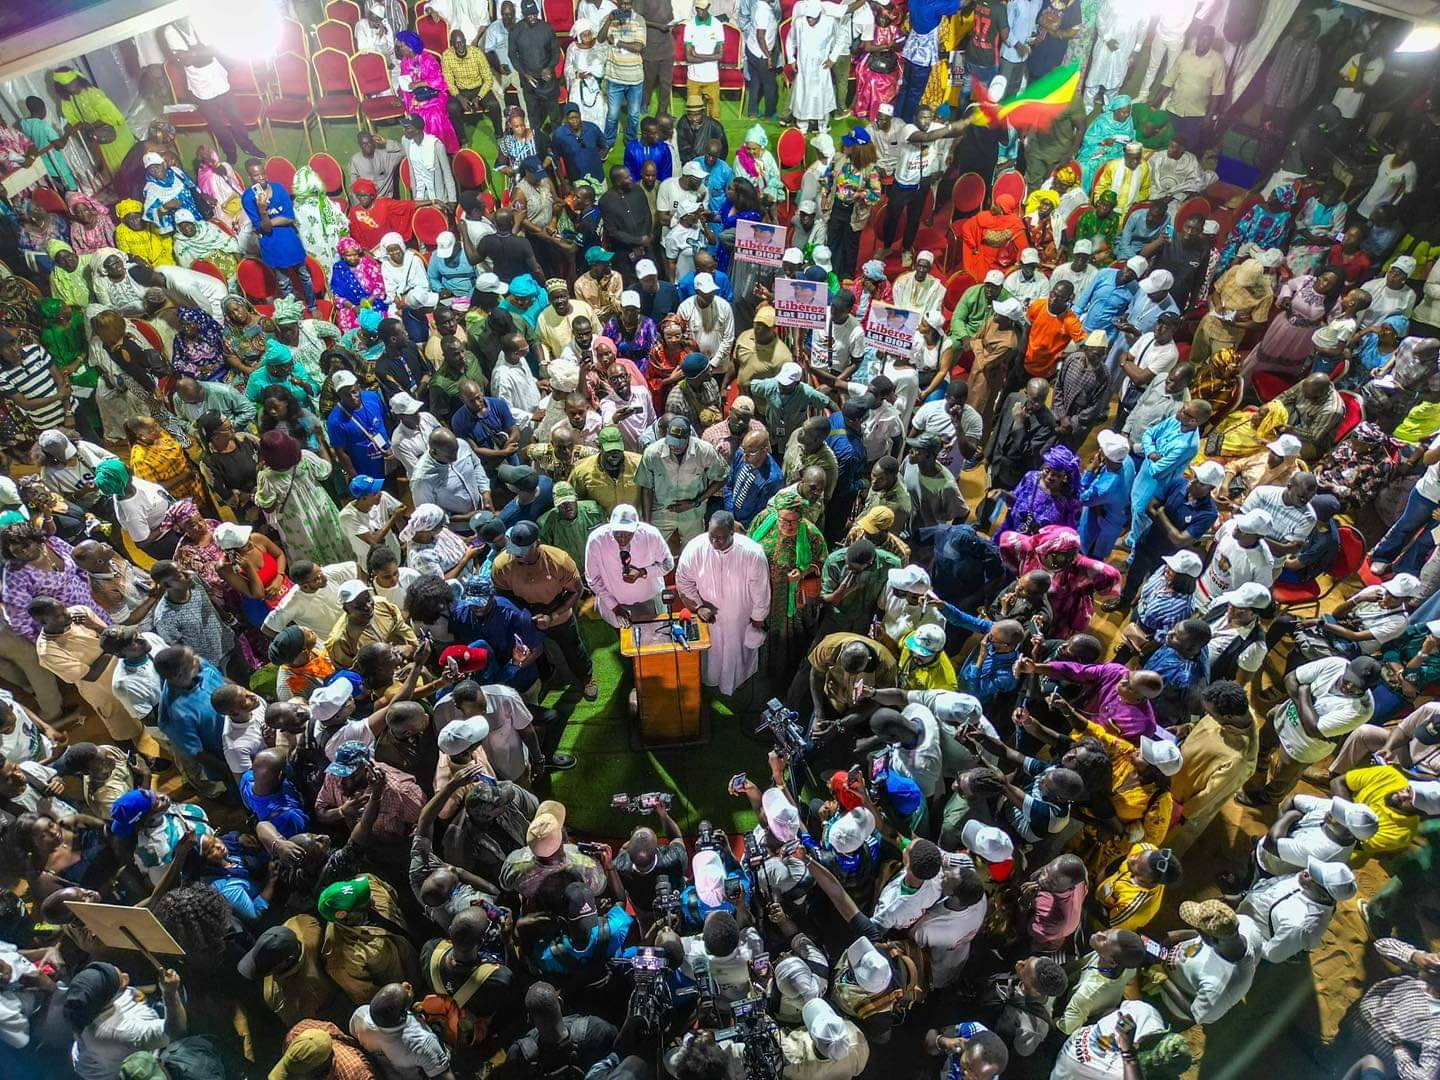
[876,88]
[425,70]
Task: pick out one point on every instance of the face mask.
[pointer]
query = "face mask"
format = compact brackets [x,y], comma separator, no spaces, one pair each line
[675,442]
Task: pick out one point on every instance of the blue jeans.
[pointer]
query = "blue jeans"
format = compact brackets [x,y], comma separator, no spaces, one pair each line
[1415,523]
[617,96]
[981,73]
[286,279]
[912,89]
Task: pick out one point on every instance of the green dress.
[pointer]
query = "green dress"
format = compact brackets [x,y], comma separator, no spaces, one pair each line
[91,106]
[301,509]
[1145,118]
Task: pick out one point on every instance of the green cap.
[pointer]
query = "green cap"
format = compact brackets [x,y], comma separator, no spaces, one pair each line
[611,439]
[353,895]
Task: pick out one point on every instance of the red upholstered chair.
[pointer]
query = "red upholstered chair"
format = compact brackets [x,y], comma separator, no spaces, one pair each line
[790,148]
[1074,220]
[1354,411]
[48,200]
[292,38]
[1347,562]
[334,34]
[318,281]
[560,14]
[405,176]
[337,88]
[343,10]
[1011,182]
[203,267]
[471,173]
[1190,207]
[969,194]
[330,173]
[280,170]
[183,122]
[150,334]
[372,79]
[955,288]
[429,223]
[434,32]
[256,280]
[293,103]
[732,64]
[682,69]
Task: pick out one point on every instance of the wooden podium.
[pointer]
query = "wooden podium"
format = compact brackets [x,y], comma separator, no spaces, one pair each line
[667,679]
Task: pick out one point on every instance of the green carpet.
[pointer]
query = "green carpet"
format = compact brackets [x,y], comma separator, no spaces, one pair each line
[598,734]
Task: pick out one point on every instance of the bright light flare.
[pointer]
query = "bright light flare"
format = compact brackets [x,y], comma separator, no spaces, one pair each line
[1420,39]
[241,29]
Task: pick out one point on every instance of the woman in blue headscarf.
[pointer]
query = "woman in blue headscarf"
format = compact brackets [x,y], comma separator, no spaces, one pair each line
[1105,138]
[168,189]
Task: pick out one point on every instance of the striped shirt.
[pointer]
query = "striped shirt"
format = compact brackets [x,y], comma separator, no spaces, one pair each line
[1160,608]
[34,377]
[1287,523]
[1396,1018]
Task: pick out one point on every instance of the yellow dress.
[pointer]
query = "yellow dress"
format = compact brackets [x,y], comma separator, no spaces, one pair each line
[1143,815]
[1127,904]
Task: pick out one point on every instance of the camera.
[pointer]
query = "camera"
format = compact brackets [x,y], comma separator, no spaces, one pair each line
[785,729]
[667,899]
[650,997]
[709,838]
[759,1036]
[641,804]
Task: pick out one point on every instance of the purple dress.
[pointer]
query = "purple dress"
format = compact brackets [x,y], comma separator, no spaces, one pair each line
[1032,507]
[21,584]
[1286,344]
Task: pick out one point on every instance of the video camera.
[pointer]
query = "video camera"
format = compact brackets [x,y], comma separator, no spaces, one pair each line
[667,898]
[650,997]
[709,838]
[641,804]
[755,1029]
[785,729]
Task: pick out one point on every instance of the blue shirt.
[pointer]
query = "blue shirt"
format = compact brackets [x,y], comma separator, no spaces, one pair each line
[357,434]
[282,809]
[1179,673]
[458,278]
[1102,300]
[1135,235]
[487,429]
[989,673]
[849,450]
[186,717]
[686,286]
[596,950]
[498,627]
[749,489]
[717,179]
[583,154]
[1193,519]
[663,301]
[282,248]
[637,153]
[515,511]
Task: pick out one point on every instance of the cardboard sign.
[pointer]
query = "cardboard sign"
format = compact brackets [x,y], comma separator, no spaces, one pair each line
[802,304]
[122,927]
[891,329]
[756,242]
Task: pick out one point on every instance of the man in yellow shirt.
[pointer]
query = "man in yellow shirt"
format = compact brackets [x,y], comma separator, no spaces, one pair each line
[471,82]
[1398,802]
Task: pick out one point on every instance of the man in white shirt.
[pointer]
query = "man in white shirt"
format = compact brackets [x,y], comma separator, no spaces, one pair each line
[704,37]
[709,319]
[921,289]
[372,518]
[243,735]
[912,892]
[401,1047]
[1328,698]
[1291,518]
[1210,974]
[918,160]
[1028,282]
[411,436]
[140,508]
[208,83]
[761,42]
[1357,75]
[1078,271]
[195,289]
[314,602]
[625,566]
[1240,557]
[1313,828]
[1293,912]
[1169,41]
[134,681]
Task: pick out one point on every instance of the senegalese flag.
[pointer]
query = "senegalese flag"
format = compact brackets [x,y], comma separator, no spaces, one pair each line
[1033,109]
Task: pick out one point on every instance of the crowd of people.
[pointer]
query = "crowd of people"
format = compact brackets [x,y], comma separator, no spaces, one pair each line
[299,594]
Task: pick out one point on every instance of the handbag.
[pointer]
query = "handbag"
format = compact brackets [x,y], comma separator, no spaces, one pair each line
[883,63]
[423,93]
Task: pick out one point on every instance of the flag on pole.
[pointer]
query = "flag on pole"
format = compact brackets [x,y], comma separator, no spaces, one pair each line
[1034,108]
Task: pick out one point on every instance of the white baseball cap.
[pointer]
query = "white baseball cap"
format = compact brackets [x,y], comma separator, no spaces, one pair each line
[872,971]
[402,404]
[1029,257]
[1405,586]
[781,817]
[790,374]
[826,1030]
[1257,522]
[445,244]
[705,283]
[352,590]
[630,298]
[624,516]
[646,268]
[1358,819]
[695,169]
[1210,473]
[492,284]
[848,832]
[1285,445]
[1335,878]
[1185,562]
[1251,595]
[1162,753]
[326,701]
[991,844]
[793,254]
[821,255]
[460,735]
[1083,247]
[1427,796]
[232,537]
[994,277]
[342,378]
[1137,265]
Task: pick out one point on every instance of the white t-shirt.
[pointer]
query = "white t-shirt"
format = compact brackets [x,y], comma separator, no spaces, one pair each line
[1231,566]
[1348,99]
[138,688]
[1428,485]
[126,1026]
[141,514]
[396,595]
[242,742]
[409,1052]
[357,521]
[1386,624]
[1222,635]
[508,716]
[1306,838]
[204,83]
[1335,714]
[706,39]
[932,416]
[1391,182]
[317,611]
[764,20]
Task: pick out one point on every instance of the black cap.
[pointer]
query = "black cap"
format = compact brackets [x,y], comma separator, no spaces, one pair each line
[522,534]
[926,440]
[524,478]
[275,948]
[580,909]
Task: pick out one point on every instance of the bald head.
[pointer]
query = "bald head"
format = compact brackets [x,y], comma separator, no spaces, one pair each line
[444,446]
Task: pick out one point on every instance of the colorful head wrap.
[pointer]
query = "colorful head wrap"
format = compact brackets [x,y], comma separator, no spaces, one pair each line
[370,320]
[1063,459]
[288,310]
[411,40]
[756,137]
[277,354]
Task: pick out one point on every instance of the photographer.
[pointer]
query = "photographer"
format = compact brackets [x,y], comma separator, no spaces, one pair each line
[557,1045]
[912,737]
[723,954]
[650,870]
[468,974]
[586,942]
[799,976]
[719,883]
